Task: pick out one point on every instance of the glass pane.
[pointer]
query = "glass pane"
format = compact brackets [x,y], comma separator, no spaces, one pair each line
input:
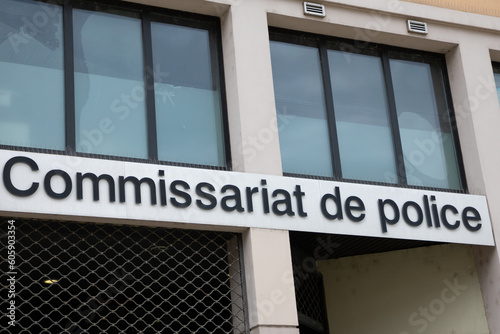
[362,116]
[31,75]
[109,86]
[426,133]
[187,96]
[497,82]
[301,112]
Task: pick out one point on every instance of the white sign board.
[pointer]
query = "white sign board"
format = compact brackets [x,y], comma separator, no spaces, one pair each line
[83,187]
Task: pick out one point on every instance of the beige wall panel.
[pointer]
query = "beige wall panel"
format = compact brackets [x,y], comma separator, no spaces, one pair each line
[432,290]
[486,7]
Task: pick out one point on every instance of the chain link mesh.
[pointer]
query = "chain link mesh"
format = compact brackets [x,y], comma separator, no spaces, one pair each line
[123,279]
[308,292]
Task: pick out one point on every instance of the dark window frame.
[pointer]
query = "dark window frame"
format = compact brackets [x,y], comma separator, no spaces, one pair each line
[147,14]
[324,43]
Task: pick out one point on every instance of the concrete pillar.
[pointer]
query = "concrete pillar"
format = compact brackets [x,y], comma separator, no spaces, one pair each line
[255,149]
[270,290]
[249,85]
[478,120]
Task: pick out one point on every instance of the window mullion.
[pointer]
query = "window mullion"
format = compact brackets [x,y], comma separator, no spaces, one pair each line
[330,112]
[149,82]
[69,77]
[393,115]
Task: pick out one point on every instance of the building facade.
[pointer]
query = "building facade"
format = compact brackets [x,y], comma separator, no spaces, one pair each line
[250,166]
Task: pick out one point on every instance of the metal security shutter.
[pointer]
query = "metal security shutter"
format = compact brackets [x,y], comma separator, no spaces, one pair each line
[124,279]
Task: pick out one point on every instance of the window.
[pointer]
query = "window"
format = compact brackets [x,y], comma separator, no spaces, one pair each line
[370,113]
[112,79]
[496,73]
[31,76]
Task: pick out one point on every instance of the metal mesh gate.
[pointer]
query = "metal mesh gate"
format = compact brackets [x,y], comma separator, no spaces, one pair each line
[104,278]
[309,292]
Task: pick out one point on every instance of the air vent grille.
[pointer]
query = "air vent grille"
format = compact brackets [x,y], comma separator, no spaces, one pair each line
[417,27]
[314,9]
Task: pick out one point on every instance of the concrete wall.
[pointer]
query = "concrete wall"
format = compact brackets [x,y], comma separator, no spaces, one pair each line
[424,290]
[487,7]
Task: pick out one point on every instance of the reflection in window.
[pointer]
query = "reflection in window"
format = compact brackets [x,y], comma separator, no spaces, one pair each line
[386,117]
[362,117]
[96,95]
[31,75]
[424,125]
[301,110]
[187,98]
[496,70]
[110,110]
